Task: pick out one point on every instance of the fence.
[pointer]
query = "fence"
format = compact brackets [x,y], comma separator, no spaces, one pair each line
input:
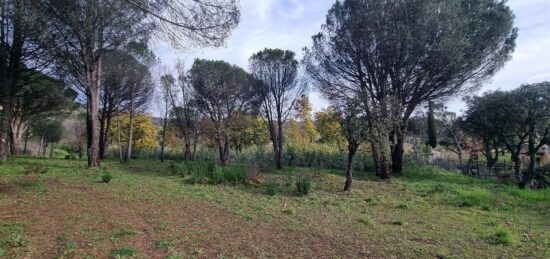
[476,168]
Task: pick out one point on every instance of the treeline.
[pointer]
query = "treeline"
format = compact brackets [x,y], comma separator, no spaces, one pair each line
[377,62]
[516,122]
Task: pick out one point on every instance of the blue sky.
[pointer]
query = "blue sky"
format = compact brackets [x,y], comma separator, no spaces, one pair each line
[289,24]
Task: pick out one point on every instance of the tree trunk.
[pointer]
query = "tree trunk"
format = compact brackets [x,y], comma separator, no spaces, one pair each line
[162,143]
[93,77]
[51,149]
[352,149]
[119,141]
[103,125]
[130,139]
[280,140]
[532,152]
[5,124]
[223,147]
[130,128]
[41,147]
[398,151]
[14,142]
[26,141]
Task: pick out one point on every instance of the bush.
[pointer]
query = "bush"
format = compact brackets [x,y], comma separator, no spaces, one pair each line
[303,186]
[502,236]
[106,177]
[209,172]
[271,188]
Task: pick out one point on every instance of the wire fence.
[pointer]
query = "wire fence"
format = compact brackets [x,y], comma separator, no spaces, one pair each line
[476,168]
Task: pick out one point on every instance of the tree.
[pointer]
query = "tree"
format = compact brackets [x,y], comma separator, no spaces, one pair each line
[355,131]
[144,134]
[50,132]
[38,95]
[432,131]
[277,94]
[452,137]
[18,52]
[167,82]
[119,71]
[79,33]
[327,123]
[185,113]
[396,55]
[535,106]
[222,92]
[140,88]
[486,119]
[250,131]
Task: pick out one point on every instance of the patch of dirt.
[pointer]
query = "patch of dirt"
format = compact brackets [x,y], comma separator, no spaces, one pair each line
[89,215]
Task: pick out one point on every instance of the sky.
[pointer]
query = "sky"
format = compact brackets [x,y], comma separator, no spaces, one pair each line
[289,25]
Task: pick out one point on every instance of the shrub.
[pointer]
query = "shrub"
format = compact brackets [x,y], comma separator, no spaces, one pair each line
[271,188]
[106,177]
[502,236]
[303,186]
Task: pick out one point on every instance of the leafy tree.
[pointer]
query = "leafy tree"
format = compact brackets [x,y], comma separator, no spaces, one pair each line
[308,132]
[280,89]
[535,106]
[327,123]
[121,69]
[38,96]
[485,119]
[222,92]
[251,131]
[355,132]
[185,113]
[18,53]
[396,55]
[50,132]
[144,133]
[167,82]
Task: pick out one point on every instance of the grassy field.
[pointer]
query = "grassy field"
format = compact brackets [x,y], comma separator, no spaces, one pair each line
[60,209]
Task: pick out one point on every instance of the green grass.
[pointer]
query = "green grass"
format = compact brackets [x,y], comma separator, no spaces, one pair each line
[123,252]
[426,213]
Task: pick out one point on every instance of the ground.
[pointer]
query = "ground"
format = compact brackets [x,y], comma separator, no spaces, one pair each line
[60,209]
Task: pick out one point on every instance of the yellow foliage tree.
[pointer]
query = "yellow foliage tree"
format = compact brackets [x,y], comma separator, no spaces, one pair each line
[144,136]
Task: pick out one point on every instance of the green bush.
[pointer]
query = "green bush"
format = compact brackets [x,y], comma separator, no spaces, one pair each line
[271,188]
[502,236]
[303,186]
[106,177]
[211,173]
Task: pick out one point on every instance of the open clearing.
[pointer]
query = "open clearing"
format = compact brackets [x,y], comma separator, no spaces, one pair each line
[148,212]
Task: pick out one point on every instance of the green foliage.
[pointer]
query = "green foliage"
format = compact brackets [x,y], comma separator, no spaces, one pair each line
[164,244]
[502,236]
[106,177]
[303,186]
[212,173]
[124,251]
[12,234]
[272,188]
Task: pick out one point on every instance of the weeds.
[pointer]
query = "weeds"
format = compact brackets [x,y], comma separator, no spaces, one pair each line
[125,251]
[106,177]
[502,236]
[272,188]
[303,186]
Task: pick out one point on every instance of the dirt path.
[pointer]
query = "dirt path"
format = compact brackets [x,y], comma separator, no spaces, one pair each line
[97,222]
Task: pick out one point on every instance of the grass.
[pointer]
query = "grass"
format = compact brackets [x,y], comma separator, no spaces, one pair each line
[155,210]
